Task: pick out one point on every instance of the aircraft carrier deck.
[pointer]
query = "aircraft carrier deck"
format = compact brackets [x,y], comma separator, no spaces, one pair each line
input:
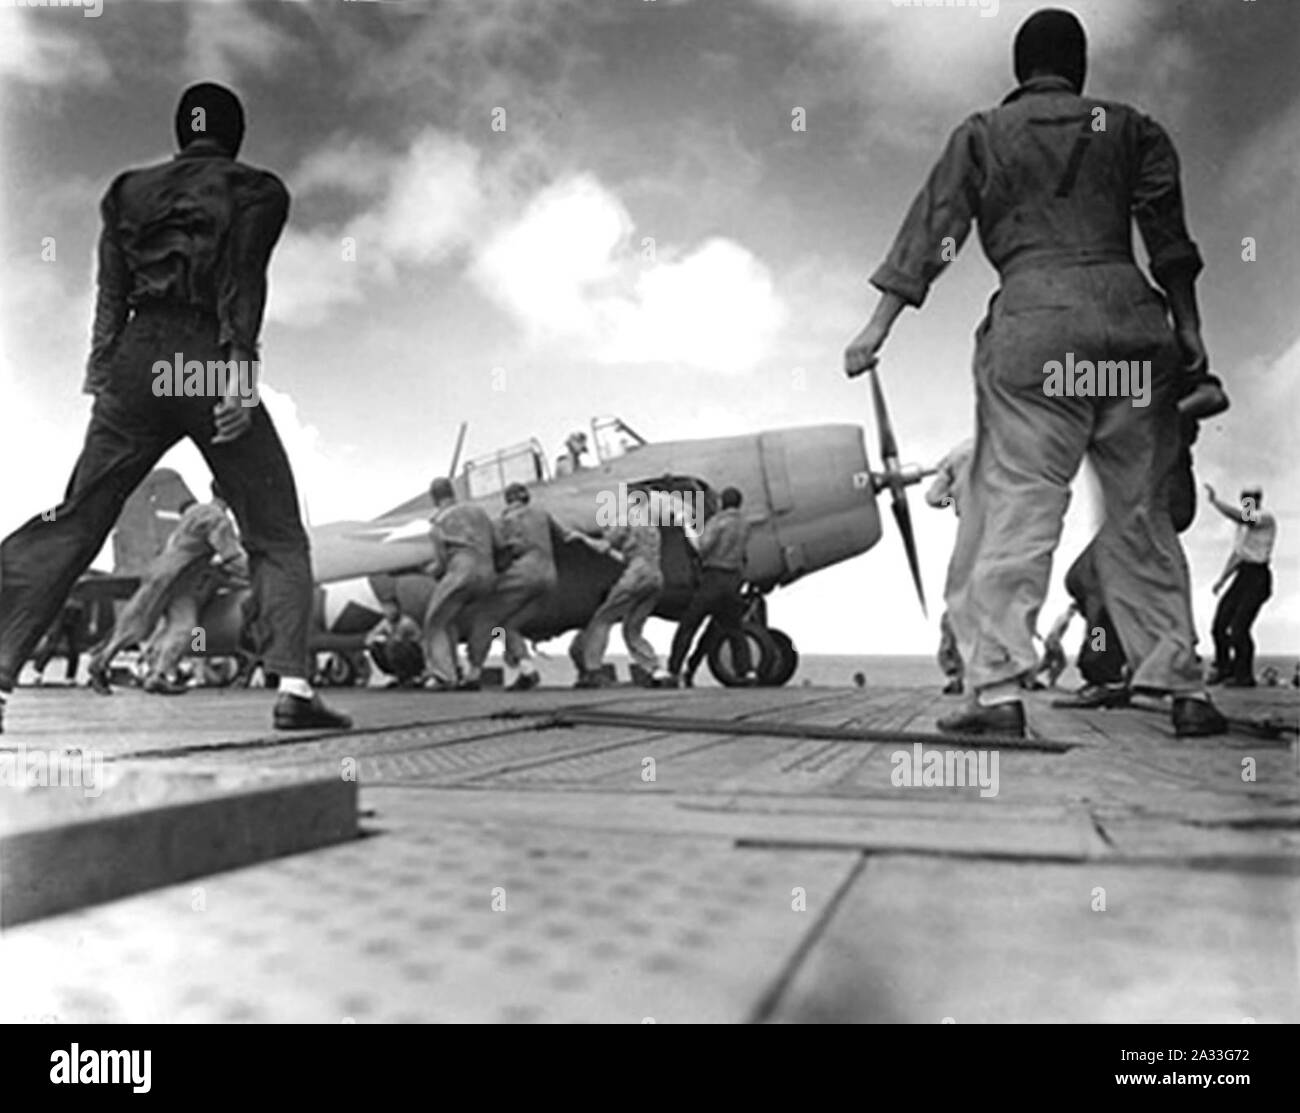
[496,859]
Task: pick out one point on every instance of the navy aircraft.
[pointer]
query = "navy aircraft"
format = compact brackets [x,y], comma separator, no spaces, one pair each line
[809,495]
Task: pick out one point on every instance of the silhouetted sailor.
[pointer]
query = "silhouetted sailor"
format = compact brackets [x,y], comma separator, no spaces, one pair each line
[182,269]
[1252,584]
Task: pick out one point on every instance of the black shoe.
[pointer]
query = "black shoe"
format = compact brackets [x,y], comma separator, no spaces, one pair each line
[954,687]
[1096,696]
[1004,720]
[1236,682]
[99,680]
[1196,718]
[1216,676]
[525,682]
[469,685]
[162,686]
[296,713]
[593,680]
[668,680]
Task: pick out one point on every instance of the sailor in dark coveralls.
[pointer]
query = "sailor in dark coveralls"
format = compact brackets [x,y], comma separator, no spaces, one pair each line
[182,269]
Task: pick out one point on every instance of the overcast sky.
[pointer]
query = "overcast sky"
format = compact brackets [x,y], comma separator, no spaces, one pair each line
[647,237]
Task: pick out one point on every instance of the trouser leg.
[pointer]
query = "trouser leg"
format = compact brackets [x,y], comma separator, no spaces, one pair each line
[256,477]
[453,591]
[1028,447]
[42,560]
[1257,588]
[638,645]
[627,592]
[1143,573]
[1221,630]
[949,656]
[695,614]
[177,637]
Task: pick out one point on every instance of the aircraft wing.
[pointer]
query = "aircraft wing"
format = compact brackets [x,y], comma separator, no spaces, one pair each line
[347,550]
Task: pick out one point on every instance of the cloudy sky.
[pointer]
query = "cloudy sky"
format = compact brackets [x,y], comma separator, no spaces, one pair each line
[642,233]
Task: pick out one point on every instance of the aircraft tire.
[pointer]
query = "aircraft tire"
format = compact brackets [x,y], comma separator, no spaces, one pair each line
[785,661]
[762,652]
[336,671]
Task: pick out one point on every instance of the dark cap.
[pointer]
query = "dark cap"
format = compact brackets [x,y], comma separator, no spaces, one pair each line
[1052,41]
[516,492]
[731,497]
[210,111]
[441,489]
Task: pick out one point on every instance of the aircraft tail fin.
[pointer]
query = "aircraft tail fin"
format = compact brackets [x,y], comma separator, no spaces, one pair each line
[147,520]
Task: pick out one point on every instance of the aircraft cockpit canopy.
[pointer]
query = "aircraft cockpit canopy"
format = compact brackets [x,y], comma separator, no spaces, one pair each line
[521,463]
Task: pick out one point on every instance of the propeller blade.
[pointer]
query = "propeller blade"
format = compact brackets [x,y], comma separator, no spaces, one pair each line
[903,516]
[888,443]
[897,484]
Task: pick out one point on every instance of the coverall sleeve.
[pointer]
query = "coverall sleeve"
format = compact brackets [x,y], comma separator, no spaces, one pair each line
[708,540]
[113,282]
[241,301]
[938,222]
[1158,204]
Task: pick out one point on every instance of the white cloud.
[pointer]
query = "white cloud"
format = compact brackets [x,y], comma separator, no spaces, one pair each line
[571,269]
[432,206]
[38,50]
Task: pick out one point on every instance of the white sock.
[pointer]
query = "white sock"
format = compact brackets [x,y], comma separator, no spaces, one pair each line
[1006,691]
[296,686]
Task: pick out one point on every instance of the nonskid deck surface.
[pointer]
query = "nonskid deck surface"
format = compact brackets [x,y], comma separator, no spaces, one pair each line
[511,867]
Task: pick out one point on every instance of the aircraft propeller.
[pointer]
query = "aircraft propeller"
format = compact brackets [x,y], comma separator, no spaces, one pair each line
[897,479]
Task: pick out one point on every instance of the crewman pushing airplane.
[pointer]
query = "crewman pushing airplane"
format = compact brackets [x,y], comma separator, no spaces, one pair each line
[465,571]
[636,545]
[193,590]
[1055,180]
[182,269]
[525,536]
[722,561]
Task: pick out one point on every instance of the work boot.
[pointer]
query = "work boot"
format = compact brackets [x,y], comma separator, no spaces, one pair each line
[664,679]
[954,687]
[525,682]
[1216,676]
[296,713]
[99,680]
[1096,697]
[1196,718]
[593,680]
[470,684]
[1005,720]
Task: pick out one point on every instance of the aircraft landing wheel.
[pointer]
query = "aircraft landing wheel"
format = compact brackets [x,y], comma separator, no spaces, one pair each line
[785,663]
[336,671]
[762,656]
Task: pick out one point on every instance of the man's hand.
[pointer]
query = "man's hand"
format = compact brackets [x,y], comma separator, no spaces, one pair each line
[1192,347]
[862,354]
[232,419]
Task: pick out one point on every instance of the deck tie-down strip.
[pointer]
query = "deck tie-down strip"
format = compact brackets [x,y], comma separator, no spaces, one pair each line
[582,716]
